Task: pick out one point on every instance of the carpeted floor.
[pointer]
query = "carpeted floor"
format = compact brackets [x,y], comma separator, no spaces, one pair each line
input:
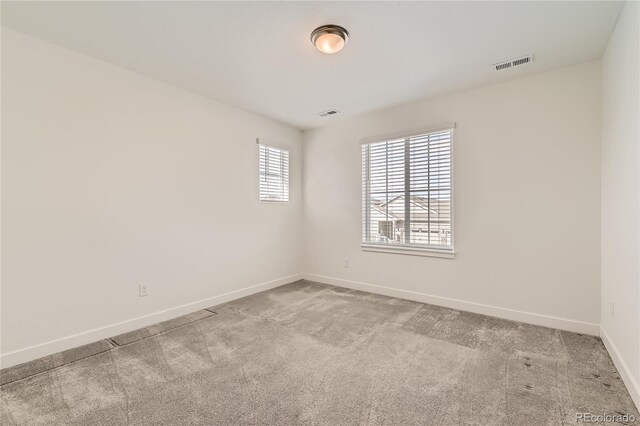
[313,354]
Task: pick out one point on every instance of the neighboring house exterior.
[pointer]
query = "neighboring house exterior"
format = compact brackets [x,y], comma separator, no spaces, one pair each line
[430,220]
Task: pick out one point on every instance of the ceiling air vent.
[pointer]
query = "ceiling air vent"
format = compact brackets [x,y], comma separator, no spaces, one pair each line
[513,63]
[328,113]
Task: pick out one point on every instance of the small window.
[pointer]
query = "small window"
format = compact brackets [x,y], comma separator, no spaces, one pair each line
[274,174]
[407,192]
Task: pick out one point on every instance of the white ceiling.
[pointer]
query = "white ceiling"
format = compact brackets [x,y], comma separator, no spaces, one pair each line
[257,55]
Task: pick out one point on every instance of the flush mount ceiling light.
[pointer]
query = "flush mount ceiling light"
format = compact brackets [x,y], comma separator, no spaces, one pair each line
[329,38]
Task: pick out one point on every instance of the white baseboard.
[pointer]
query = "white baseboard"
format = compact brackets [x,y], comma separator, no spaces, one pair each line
[623,368]
[37,351]
[462,305]
[33,352]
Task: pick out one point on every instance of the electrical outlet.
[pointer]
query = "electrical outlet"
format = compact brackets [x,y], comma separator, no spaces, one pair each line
[144,289]
[347,262]
[613,310]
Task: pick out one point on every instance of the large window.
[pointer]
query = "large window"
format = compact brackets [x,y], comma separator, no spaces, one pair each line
[274,173]
[407,192]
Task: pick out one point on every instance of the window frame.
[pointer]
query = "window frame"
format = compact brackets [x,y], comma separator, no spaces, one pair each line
[407,249]
[260,143]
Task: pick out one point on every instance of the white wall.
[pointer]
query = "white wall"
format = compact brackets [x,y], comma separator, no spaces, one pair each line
[527,201]
[621,197]
[110,179]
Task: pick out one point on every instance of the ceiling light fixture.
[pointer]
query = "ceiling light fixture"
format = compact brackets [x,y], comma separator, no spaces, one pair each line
[330,38]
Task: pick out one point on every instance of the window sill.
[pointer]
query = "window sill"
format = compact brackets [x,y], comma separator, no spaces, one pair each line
[410,251]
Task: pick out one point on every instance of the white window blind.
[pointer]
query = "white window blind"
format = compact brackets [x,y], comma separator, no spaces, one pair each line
[407,192]
[274,173]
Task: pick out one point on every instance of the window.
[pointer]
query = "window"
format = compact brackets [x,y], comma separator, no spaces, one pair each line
[407,193]
[274,173]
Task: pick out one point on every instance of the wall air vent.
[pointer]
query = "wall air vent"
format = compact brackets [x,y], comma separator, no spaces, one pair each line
[513,63]
[328,113]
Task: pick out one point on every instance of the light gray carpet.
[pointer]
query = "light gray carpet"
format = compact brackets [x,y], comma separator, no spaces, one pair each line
[313,354]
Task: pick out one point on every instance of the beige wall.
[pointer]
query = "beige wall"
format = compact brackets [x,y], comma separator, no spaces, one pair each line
[527,201]
[110,179]
[621,197]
